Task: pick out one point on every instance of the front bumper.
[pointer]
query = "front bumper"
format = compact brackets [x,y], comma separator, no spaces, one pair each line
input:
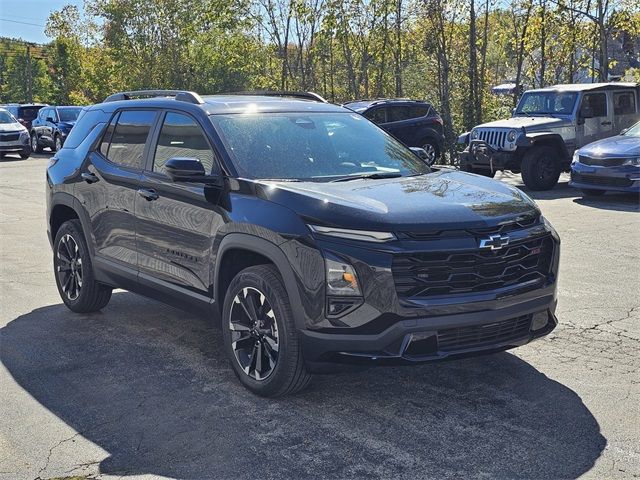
[625,178]
[20,145]
[436,338]
[480,155]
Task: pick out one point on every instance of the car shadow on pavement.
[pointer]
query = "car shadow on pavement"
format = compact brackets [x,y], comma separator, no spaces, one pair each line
[151,386]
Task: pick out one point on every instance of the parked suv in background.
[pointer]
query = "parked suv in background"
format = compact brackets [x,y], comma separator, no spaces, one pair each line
[310,234]
[414,122]
[547,126]
[25,113]
[14,137]
[51,127]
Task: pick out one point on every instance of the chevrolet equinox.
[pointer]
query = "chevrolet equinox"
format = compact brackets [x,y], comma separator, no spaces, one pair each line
[312,236]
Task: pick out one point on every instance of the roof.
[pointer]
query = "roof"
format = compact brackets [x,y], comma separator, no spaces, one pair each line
[583,87]
[223,104]
[361,105]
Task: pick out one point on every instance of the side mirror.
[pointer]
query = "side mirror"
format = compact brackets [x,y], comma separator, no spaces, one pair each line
[513,111]
[182,169]
[421,154]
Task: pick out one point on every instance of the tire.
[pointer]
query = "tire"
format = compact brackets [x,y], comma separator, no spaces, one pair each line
[3,154]
[258,293]
[433,152]
[35,145]
[57,143]
[81,294]
[592,192]
[24,156]
[541,168]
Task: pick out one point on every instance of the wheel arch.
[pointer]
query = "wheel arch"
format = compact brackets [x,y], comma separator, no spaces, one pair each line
[248,250]
[548,140]
[65,207]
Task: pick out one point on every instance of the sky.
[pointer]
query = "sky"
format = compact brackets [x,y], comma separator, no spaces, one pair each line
[25,19]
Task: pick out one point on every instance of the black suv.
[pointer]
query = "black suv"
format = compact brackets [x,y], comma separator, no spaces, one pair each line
[311,235]
[25,112]
[415,123]
[51,127]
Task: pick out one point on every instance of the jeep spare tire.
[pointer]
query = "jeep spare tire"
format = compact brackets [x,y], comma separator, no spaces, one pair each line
[541,168]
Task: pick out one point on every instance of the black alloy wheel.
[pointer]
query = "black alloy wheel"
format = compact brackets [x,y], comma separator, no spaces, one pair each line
[69,267]
[254,333]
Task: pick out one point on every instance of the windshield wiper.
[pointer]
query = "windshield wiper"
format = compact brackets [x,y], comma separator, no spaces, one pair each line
[373,176]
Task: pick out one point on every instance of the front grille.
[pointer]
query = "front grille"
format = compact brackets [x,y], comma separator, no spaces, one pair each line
[478,336]
[496,139]
[519,224]
[427,274]
[602,162]
[9,137]
[601,180]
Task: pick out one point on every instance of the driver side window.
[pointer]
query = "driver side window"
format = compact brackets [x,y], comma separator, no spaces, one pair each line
[594,105]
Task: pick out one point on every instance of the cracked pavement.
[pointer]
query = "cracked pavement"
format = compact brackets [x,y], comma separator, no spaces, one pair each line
[141,390]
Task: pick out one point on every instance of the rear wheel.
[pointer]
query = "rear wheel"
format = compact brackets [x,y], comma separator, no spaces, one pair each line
[541,168]
[57,143]
[74,271]
[260,336]
[35,145]
[589,192]
[432,150]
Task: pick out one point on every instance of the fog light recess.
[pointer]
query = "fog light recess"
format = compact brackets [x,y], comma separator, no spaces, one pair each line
[539,320]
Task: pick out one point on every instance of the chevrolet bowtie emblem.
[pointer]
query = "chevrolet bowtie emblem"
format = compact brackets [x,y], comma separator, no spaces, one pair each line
[495,242]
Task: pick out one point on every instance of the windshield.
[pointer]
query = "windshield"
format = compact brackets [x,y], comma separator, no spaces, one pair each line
[633,131]
[6,117]
[547,103]
[69,114]
[313,146]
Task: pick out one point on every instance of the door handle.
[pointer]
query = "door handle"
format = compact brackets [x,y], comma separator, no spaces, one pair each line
[605,123]
[89,177]
[148,194]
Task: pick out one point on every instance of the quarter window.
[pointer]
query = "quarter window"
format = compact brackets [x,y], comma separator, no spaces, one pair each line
[594,105]
[181,136]
[129,137]
[624,103]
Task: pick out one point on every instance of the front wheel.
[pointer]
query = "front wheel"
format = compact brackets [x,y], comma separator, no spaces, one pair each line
[259,333]
[35,145]
[74,271]
[541,168]
[57,143]
[433,152]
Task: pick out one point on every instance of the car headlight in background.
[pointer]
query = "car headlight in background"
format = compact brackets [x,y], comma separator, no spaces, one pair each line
[575,157]
[475,134]
[341,277]
[632,161]
[511,136]
[364,235]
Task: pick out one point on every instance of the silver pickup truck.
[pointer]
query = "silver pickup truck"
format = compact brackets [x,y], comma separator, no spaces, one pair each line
[547,126]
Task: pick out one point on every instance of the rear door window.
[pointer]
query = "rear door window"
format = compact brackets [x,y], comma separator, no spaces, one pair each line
[129,137]
[376,115]
[398,114]
[624,103]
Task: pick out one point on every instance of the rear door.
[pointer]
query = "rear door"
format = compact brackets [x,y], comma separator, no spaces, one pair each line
[596,118]
[625,109]
[109,188]
[399,122]
[177,221]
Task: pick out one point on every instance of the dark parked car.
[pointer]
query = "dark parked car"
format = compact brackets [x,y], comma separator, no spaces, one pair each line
[310,235]
[25,113]
[415,123]
[610,164]
[14,137]
[51,127]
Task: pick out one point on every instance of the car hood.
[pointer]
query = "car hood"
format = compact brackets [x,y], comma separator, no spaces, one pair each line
[447,199]
[11,127]
[535,123]
[620,145]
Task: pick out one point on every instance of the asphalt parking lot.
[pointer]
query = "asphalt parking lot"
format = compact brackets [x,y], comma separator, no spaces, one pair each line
[141,389]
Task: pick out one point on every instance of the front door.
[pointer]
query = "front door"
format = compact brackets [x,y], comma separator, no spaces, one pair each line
[176,222]
[596,119]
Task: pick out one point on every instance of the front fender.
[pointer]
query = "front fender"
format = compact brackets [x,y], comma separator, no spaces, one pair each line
[542,138]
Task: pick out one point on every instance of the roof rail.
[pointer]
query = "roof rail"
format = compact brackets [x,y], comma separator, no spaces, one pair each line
[180,95]
[275,93]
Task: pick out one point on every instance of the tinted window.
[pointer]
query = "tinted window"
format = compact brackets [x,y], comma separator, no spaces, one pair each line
[106,139]
[624,103]
[312,146]
[397,114]
[181,136]
[69,114]
[29,113]
[594,105]
[376,115]
[129,137]
[419,111]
